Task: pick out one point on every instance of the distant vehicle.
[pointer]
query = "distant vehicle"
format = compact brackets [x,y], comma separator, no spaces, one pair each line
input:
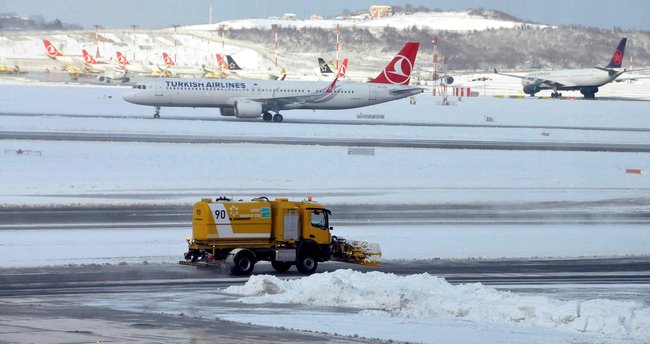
[255,98]
[585,80]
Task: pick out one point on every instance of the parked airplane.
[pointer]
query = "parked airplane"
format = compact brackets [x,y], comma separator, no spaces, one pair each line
[255,98]
[231,67]
[55,54]
[324,67]
[106,71]
[171,68]
[585,80]
[137,68]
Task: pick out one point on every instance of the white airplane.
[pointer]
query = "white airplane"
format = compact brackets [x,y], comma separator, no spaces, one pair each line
[255,98]
[585,80]
[173,69]
[106,71]
[230,67]
[136,68]
[55,54]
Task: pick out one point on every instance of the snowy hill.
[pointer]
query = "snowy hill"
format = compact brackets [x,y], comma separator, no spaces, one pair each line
[473,40]
[438,21]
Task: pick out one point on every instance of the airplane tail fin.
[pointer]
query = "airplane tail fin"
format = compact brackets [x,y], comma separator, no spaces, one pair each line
[617,58]
[168,60]
[88,58]
[221,62]
[232,64]
[343,69]
[398,71]
[121,59]
[324,67]
[51,50]
[339,74]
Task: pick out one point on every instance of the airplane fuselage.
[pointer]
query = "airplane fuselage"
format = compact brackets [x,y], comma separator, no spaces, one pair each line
[571,79]
[275,95]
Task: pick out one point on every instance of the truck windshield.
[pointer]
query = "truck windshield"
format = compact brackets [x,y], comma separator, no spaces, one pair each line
[319,219]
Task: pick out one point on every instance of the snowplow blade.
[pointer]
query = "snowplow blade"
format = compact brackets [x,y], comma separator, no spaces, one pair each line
[356,252]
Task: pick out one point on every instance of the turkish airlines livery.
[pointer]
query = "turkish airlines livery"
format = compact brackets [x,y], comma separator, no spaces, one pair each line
[586,80]
[52,52]
[255,98]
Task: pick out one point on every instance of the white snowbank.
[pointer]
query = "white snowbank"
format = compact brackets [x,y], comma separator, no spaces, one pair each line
[378,294]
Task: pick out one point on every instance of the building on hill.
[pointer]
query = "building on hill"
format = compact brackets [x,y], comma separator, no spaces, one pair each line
[380,11]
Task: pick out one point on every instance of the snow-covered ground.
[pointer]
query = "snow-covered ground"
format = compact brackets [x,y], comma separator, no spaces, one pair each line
[418,308]
[436,21]
[165,244]
[399,174]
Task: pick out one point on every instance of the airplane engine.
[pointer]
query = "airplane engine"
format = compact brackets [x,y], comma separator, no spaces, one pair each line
[589,92]
[227,111]
[248,109]
[449,80]
[531,89]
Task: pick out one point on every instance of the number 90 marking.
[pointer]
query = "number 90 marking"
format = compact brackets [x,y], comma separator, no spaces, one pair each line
[220,214]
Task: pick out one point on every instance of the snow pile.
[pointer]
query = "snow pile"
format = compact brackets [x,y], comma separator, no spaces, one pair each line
[425,296]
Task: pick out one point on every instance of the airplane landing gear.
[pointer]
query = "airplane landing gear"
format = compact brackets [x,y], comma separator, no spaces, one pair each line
[267,116]
[556,95]
[277,118]
[156,114]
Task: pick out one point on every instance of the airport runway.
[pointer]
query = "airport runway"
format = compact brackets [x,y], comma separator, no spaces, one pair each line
[344,142]
[77,303]
[73,303]
[218,118]
[143,216]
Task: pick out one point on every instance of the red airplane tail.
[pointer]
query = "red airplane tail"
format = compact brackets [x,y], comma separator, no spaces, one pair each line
[343,69]
[51,50]
[398,71]
[87,58]
[168,60]
[221,62]
[121,59]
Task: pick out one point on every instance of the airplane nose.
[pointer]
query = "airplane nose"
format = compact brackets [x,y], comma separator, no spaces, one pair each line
[130,97]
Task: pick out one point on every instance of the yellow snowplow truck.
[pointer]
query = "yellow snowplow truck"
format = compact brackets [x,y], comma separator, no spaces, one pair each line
[240,233]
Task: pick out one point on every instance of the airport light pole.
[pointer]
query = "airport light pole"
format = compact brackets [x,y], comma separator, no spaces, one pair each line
[175,26]
[434,75]
[97,40]
[337,47]
[276,29]
[134,45]
[222,29]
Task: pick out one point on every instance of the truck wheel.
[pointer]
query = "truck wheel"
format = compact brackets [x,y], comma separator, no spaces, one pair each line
[306,263]
[281,266]
[243,264]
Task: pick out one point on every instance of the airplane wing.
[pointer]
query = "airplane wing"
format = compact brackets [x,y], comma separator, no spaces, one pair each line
[535,80]
[314,97]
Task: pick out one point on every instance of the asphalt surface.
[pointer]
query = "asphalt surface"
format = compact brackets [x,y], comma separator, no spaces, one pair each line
[357,142]
[70,302]
[623,211]
[218,118]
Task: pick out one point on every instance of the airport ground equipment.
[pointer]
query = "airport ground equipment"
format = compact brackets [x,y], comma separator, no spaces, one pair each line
[242,233]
